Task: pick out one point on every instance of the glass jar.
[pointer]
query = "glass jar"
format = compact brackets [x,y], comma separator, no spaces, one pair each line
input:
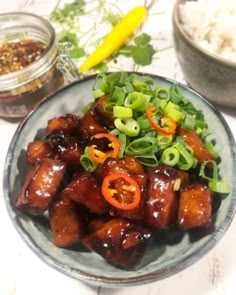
[29,82]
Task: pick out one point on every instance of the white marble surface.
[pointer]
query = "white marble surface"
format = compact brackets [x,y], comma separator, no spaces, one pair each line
[22,273]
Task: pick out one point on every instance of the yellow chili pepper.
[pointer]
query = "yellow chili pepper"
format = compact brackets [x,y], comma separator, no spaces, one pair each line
[116,37]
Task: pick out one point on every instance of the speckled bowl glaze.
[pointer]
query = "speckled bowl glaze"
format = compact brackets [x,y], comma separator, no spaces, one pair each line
[212,76]
[170,252]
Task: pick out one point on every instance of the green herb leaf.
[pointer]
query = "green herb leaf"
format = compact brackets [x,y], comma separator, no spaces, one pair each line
[69,11]
[142,51]
[142,40]
[112,18]
[77,52]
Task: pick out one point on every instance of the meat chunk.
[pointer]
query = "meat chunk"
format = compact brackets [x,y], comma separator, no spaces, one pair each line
[119,241]
[88,127]
[66,148]
[85,189]
[37,151]
[67,222]
[162,200]
[194,141]
[67,124]
[101,116]
[195,207]
[41,185]
[134,169]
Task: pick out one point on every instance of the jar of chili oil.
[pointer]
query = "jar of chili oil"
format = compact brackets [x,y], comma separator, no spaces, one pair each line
[29,54]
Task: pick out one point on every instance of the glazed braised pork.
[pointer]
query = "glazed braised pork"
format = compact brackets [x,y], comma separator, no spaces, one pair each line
[78,209]
[41,185]
[118,240]
[162,195]
[67,220]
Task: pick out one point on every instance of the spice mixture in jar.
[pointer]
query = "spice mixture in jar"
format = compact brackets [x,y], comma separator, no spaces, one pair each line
[14,56]
[28,63]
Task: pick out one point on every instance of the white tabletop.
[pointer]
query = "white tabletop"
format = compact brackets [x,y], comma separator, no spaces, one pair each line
[22,273]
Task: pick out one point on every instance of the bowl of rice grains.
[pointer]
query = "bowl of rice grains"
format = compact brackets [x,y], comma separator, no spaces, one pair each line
[205,42]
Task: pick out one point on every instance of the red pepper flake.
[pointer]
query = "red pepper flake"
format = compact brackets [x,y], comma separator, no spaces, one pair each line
[15,56]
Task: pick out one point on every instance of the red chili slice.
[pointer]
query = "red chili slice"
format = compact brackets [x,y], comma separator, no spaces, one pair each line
[121,191]
[169,125]
[100,156]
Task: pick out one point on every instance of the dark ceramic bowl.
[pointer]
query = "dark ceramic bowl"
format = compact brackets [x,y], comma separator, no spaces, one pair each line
[210,75]
[169,254]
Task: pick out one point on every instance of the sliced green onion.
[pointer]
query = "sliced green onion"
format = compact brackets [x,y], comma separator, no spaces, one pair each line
[163,140]
[211,149]
[186,160]
[123,142]
[98,93]
[203,170]
[98,80]
[87,107]
[147,160]
[141,146]
[189,122]
[141,83]
[219,186]
[144,123]
[137,101]
[173,110]
[170,106]
[176,94]
[204,133]
[128,87]
[86,162]
[200,124]
[129,126]
[170,156]
[108,82]
[122,112]
[117,96]
[176,115]
[162,93]
[159,103]
[214,183]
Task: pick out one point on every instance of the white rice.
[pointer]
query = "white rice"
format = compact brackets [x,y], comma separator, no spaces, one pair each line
[211,24]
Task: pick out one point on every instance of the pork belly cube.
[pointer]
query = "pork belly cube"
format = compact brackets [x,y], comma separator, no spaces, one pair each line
[67,124]
[90,124]
[195,207]
[134,169]
[85,189]
[194,141]
[119,241]
[100,114]
[37,151]
[162,200]
[66,148]
[41,185]
[67,222]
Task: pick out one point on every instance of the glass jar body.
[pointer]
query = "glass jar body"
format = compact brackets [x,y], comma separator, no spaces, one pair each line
[22,89]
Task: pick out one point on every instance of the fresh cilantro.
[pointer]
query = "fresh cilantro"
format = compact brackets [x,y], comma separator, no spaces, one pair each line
[101,68]
[66,36]
[112,18]
[141,51]
[76,51]
[138,48]
[69,11]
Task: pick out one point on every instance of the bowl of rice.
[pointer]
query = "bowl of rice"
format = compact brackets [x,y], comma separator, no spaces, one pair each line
[204,34]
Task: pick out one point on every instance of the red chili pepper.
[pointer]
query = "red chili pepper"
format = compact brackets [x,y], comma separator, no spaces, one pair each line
[112,150]
[162,123]
[121,191]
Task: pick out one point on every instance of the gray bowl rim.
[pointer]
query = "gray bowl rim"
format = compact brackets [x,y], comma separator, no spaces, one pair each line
[163,273]
[176,24]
